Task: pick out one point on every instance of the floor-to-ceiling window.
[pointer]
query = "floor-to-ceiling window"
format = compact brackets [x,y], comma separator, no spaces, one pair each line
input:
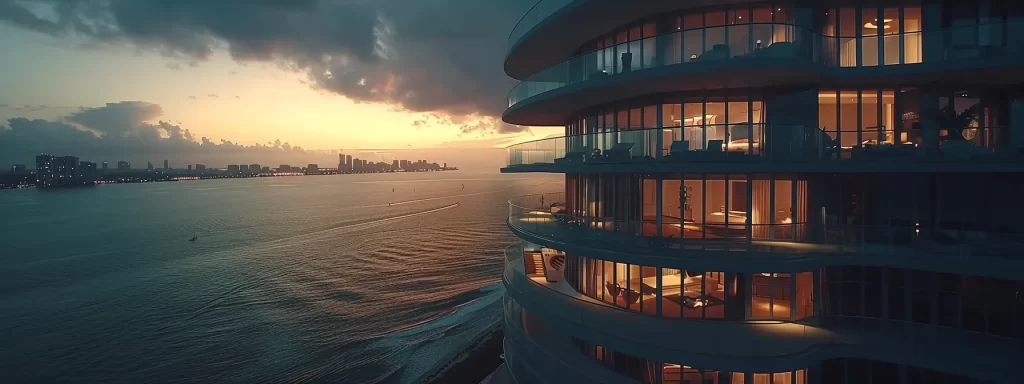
[693,294]
[713,206]
[856,118]
[869,35]
[861,296]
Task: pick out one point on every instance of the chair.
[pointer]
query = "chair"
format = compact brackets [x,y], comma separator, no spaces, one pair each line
[630,296]
[679,148]
[574,156]
[715,146]
[717,52]
[619,151]
[613,288]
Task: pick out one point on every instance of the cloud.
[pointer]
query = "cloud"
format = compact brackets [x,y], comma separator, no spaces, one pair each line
[238,97]
[426,55]
[3,105]
[122,131]
[192,97]
[174,66]
[213,96]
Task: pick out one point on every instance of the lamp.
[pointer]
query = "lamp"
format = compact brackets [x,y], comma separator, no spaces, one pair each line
[885,24]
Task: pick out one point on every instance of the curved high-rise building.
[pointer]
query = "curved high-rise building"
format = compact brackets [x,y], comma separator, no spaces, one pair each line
[769,192]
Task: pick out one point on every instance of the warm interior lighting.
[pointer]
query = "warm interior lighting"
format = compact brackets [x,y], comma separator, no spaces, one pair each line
[787,221]
[885,24]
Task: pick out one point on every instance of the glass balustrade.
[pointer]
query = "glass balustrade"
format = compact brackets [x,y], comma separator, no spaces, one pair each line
[540,11]
[772,40]
[546,216]
[751,142]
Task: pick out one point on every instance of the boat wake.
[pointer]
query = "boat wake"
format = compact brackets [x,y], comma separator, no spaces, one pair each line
[286,241]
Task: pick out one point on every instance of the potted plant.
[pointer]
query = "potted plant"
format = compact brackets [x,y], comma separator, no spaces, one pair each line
[957,123]
[956,143]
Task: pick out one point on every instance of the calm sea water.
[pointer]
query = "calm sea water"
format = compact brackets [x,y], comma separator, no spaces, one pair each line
[291,279]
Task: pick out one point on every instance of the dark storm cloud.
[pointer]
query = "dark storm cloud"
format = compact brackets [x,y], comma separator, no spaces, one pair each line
[421,55]
[120,131]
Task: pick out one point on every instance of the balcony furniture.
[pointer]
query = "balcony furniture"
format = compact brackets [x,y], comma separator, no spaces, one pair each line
[715,146]
[627,62]
[779,49]
[613,288]
[630,296]
[717,52]
[619,152]
[574,156]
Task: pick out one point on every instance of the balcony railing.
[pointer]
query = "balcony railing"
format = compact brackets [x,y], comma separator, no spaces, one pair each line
[821,329]
[749,142]
[772,40]
[546,216]
[540,11]
[676,48]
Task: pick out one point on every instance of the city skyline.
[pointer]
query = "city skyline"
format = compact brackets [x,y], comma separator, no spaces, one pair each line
[159,90]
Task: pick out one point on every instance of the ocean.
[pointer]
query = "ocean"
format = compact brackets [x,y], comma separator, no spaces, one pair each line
[371,278]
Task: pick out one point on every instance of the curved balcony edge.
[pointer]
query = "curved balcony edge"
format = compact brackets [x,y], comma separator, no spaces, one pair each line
[750,255]
[761,345]
[759,147]
[547,363]
[546,33]
[770,166]
[774,54]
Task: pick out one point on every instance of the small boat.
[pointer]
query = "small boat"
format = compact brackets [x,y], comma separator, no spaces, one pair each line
[194,237]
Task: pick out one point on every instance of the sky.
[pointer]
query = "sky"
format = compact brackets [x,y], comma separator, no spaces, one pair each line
[272,81]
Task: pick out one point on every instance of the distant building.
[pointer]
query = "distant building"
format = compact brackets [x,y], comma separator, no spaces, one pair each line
[18,168]
[166,165]
[394,165]
[348,163]
[190,167]
[44,170]
[358,166]
[254,168]
[104,165]
[341,162]
[149,166]
[87,173]
[364,164]
[312,168]
[200,167]
[123,165]
[284,168]
[266,169]
[445,166]
[233,168]
[54,171]
[243,168]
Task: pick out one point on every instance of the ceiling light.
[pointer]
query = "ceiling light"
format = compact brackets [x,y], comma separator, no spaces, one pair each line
[870,25]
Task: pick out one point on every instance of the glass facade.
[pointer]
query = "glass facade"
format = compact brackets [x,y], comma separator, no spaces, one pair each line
[676,293]
[871,35]
[652,372]
[693,206]
[859,296]
[711,205]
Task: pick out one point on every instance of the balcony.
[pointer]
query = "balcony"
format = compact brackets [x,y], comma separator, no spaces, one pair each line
[538,13]
[764,346]
[749,147]
[741,246]
[744,55]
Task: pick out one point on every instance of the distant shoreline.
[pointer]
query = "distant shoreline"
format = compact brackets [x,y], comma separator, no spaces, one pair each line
[143,176]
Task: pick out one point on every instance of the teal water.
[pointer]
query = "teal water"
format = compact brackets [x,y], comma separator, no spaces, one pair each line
[311,278]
